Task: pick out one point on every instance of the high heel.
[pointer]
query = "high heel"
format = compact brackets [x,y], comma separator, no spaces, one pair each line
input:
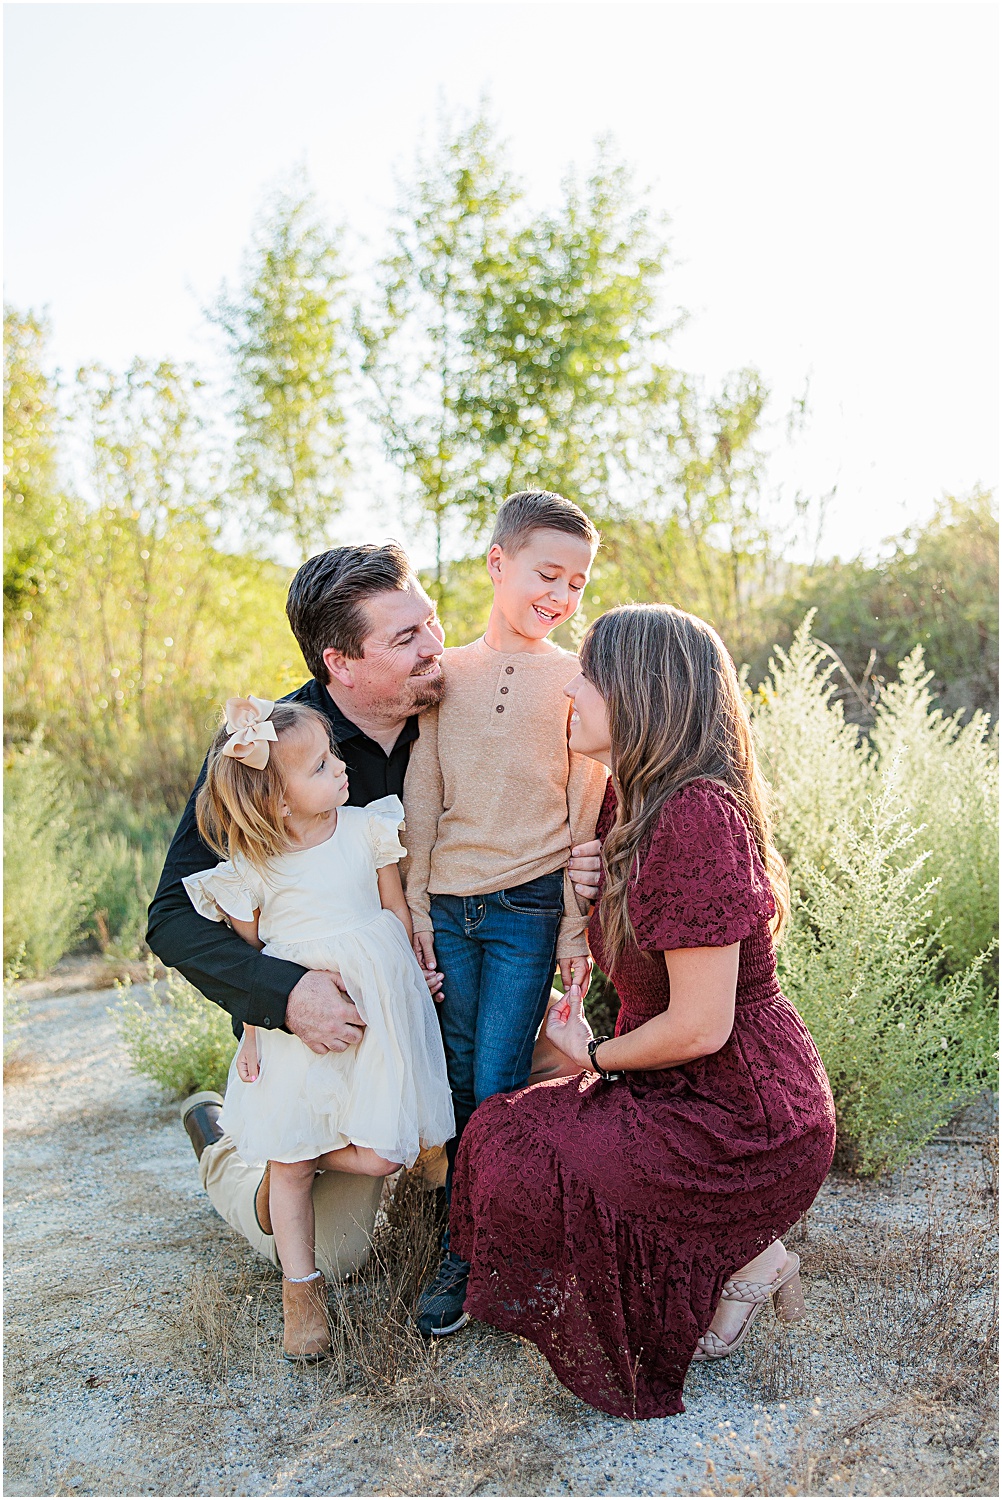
[789,1306]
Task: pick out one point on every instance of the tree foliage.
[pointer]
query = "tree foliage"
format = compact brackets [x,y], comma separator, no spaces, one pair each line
[288,334]
[428,372]
[938,589]
[571,337]
[33,508]
[151,622]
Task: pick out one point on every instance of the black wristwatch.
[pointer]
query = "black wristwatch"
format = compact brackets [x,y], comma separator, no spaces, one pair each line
[593,1045]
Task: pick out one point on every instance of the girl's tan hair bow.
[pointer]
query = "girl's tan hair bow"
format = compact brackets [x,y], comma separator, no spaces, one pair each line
[250,730]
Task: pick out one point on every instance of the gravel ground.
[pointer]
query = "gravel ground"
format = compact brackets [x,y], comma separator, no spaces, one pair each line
[142,1336]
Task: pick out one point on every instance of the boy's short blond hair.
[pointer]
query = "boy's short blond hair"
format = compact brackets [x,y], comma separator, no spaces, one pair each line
[539,510]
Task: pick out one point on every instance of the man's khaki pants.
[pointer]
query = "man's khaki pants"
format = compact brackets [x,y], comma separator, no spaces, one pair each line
[344,1205]
[345,1208]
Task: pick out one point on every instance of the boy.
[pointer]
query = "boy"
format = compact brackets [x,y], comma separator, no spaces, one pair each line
[494,801]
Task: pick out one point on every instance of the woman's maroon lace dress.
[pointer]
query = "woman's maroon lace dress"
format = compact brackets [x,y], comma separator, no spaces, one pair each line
[603,1218]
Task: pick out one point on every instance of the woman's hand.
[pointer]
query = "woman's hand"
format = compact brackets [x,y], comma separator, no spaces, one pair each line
[567,1028]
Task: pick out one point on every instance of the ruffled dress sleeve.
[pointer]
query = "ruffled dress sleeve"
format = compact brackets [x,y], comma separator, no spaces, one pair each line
[702,883]
[386,817]
[223,887]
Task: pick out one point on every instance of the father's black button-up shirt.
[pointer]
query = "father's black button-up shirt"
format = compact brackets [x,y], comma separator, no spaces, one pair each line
[251,986]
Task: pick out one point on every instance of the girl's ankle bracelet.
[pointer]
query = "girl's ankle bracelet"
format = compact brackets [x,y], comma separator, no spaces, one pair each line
[312,1277]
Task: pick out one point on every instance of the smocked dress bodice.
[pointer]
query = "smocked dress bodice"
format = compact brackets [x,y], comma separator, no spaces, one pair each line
[701,883]
[308,895]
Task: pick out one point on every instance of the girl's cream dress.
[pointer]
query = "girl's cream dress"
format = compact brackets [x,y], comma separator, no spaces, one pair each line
[320,908]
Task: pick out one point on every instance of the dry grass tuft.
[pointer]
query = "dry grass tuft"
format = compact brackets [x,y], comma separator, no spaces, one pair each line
[376,1350]
[920,1312]
[441,1420]
[780,1365]
[444,1428]
[19,1066]
[228,1322]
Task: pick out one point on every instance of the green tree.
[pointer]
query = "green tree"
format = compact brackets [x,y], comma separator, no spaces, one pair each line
[692,531]
[571,336]
[288,335]
[937,588]
[33,506]
[427,367]
[152,624]
[511,349]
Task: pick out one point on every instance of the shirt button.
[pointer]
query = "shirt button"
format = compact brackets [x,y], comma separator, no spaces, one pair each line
[500,708]
[266,1021]
[509,670]
[504,690]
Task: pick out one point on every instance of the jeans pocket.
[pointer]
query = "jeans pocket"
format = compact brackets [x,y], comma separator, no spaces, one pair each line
[542,897]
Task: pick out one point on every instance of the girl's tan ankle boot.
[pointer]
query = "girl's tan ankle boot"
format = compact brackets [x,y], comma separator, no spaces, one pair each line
[307,1326]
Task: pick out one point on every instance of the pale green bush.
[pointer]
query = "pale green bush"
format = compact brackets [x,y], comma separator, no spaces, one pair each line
[124,876]
[949,779]
[175,1037]
[902,1048]
[817,766]
[46,879]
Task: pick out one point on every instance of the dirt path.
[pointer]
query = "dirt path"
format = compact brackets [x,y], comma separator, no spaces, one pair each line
[142,1337]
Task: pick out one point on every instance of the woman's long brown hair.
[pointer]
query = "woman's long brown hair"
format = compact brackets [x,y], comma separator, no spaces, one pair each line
[676,715]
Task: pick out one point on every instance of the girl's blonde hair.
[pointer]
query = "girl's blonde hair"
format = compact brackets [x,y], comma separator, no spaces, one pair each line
[676,715]
[239,809]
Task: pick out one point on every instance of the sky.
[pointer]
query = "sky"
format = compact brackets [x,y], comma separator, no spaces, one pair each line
[830,172]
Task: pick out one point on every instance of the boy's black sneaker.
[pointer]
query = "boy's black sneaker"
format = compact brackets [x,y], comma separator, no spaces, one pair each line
[440,1305]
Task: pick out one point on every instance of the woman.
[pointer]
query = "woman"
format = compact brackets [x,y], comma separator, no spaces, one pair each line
[607,1217]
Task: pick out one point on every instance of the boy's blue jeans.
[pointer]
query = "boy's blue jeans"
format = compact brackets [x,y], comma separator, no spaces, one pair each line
[497,954]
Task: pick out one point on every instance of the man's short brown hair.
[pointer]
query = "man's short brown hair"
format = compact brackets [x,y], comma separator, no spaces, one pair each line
[539,510]
[326,603]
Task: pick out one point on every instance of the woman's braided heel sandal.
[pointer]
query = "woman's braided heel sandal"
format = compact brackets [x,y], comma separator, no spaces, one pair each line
[789,1306]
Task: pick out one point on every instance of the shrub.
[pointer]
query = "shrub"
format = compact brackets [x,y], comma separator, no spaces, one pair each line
[124,878]
[128,848]
[46,881]
[177,1038]
[949,778]
[903,1050]
[816,764]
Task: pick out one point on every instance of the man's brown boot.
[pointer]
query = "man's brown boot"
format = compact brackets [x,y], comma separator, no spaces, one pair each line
[262,1202]
[307,1326]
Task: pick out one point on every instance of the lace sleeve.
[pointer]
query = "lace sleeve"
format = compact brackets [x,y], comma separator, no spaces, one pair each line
[702,883]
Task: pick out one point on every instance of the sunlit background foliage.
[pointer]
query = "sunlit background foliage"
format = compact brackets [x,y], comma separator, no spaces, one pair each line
[150,515]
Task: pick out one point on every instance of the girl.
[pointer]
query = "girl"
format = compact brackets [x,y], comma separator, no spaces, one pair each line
[310,880]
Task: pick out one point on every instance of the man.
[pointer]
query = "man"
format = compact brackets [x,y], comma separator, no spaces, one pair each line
[371,637]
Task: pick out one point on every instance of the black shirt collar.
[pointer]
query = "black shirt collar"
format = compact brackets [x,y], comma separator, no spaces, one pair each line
[318,697]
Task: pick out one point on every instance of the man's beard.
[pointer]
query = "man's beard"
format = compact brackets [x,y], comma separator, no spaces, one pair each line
[427,691]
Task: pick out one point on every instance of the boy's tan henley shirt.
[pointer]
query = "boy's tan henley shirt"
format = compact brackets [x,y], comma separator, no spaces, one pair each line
[493,796]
